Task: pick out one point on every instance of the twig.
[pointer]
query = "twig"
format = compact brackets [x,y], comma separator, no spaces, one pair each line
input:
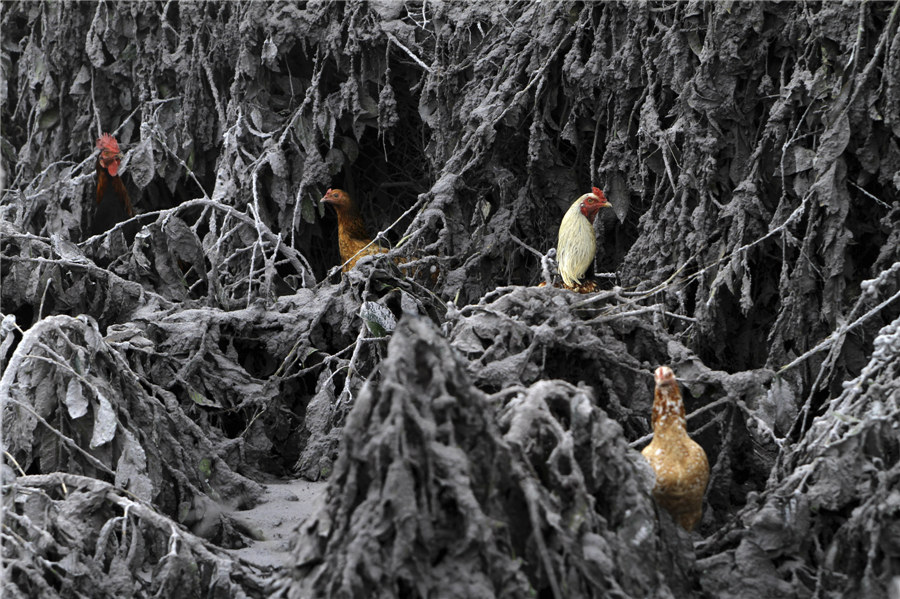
[409,52]
[254,210]
[66,440]
[722,400]
[834,336]
[882,202]
[380,235]
[360,339]
[97,120]
[594,146]
[640,294]
[162,142]
[44,298]
[526,246]
[879,49]
[209,203]
[211,81]
[659,308]
[14,461]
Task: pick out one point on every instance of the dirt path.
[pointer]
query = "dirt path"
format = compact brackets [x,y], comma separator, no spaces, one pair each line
[283,507]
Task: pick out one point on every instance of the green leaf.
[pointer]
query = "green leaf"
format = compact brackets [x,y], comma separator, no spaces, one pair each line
[48,118]
[308,210]
[205,467]
[201,400]
[379,319]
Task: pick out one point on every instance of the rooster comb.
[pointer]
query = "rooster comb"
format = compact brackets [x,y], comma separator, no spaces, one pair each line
[598,192]
[108,142]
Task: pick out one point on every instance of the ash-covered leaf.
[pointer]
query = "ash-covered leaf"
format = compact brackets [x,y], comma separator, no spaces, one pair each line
[67,250]
[317,458]
[387,106]
[278,162]
[269,54]
[131,469]
[378,318]
[104,422]
[307,209]
[137,251]
[202,400]
[182,241]
[142,164]
[76,402]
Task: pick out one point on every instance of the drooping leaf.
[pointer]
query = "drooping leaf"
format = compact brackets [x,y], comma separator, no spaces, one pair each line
[142,164]
[76,402]
[105,423]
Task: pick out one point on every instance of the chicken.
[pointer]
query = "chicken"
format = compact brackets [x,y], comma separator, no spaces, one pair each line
[577,245]
[353,239]
[113,204]
[680,464]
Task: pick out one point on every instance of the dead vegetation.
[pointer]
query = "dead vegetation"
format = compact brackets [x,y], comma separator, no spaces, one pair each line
[152,374]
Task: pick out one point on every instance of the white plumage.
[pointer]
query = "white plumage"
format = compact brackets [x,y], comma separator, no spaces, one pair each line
[576,246]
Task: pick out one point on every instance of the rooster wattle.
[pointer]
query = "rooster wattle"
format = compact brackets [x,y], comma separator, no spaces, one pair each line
[577,244]
[113,204]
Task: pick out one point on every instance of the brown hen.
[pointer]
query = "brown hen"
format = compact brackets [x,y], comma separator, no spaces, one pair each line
[353,238]
[680,464]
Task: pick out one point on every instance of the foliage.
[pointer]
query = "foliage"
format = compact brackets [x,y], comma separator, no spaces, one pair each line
[751,154]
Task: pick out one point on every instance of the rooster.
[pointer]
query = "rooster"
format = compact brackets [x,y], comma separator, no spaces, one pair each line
[576,246]
[682,470]
[353,239]
[113,204]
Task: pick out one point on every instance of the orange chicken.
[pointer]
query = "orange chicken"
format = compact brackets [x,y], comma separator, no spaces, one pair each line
[353,239]
[680,464]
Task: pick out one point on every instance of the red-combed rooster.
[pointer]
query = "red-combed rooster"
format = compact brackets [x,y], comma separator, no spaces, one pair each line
[682,470]
[353,239]
[577,245]
[113,204]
